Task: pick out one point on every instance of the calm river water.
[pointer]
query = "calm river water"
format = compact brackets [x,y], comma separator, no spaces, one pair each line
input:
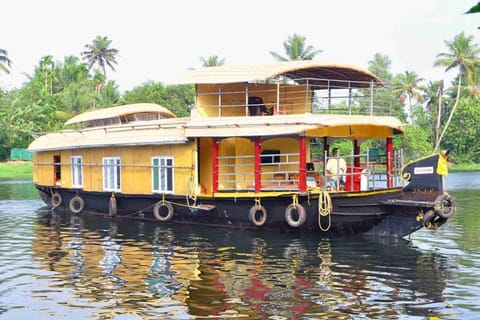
[57,266]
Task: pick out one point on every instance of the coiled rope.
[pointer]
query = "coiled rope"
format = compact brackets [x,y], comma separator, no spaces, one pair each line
[324,209]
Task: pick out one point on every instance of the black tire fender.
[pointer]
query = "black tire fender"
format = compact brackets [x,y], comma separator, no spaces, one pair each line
[158,208]
[56,200]
[257,219]
[444,206]
[112,207]
[76,204]
[428,218]
[290,218]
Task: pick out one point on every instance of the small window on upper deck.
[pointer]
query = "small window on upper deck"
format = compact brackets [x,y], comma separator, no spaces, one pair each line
[103,122]
[146,116]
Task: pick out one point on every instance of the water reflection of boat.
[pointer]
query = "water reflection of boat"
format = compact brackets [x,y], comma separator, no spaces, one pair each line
[253,154]
[144,269]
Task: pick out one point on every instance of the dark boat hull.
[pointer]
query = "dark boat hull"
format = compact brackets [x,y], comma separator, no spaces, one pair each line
[360,213]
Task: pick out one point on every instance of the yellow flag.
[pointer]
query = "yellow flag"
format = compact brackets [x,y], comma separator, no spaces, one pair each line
[442,168]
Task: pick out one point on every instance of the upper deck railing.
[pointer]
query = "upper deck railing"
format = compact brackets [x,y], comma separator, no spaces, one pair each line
[306,95]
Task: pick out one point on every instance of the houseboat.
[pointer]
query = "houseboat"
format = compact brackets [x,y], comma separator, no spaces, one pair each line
[253,154]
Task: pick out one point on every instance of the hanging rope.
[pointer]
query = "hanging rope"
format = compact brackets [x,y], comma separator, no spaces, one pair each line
[295,201]
[191,194]
[258,204]
[324,209]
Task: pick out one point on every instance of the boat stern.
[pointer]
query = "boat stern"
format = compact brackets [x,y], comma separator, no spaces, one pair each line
[425,197]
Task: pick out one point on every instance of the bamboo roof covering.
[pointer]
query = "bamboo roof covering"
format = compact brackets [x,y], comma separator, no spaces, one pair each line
[164,131]
[299,71]
[121,111]
[179,130]
[355,127]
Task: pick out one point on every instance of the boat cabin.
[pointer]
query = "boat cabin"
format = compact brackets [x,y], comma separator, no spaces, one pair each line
[270,127]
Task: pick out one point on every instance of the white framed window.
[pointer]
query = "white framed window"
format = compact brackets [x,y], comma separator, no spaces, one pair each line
[162,174]
[77,171]
[111,174]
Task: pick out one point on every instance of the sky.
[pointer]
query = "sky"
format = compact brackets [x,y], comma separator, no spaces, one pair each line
[160,40]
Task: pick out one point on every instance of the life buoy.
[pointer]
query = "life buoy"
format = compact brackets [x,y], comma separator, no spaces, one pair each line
[258,219]
[76,204]
[112,207]
[157,211]
[298,219]
[444,206]
[56,200]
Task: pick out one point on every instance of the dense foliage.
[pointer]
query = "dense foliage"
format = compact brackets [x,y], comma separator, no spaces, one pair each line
[437,115]
[59,90]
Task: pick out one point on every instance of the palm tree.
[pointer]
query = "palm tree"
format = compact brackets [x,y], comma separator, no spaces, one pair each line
[407,86]
[464,55]
[4,60]
[212,61]
[100,53]
[296,49]
[46,66]
[435,103]
[380,65]
[473,90]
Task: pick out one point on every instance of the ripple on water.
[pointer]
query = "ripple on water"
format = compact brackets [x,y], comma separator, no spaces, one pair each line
[63,266]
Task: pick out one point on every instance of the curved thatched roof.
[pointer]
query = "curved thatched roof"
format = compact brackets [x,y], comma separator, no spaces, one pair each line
[158,132]
[298,71]
[312,125]
[119,111]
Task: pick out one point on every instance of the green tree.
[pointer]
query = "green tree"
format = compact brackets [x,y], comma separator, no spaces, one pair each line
[407,86]
[416,142]
[70,71]
[473,89]
[5,62]
[296,49]
[177,99]
[466,141]
[212,61]
[26,111]
[108,95]
[380,66]
[429,117]
[100,53]
[463,55]
[46,66]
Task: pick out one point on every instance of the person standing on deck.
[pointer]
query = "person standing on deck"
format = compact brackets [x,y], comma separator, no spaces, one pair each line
[334,170]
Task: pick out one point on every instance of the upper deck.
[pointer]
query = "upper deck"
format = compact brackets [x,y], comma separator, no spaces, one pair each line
[287,88]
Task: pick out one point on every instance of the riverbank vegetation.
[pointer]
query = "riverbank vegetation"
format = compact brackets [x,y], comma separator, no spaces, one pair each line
[437,115]
[16,170]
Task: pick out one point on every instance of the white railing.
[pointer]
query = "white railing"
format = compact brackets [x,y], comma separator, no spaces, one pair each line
[306,95]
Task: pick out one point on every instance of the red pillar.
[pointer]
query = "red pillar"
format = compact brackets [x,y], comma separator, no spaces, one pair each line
[356,153]
[302,179]
[389,162]
[258,167]
[216,142]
